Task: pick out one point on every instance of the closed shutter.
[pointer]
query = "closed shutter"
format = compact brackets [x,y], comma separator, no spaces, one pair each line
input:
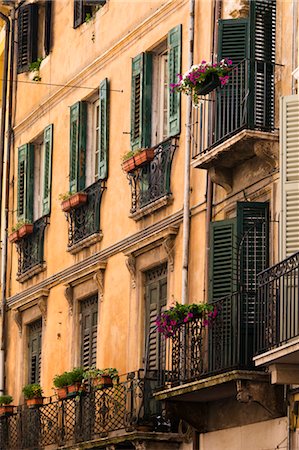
[25,182]
[78,118]
[78,13]
[289,170]
[222,260]
[233,40]
[174,67]
[48,146]
[103,129]
[35,352]
[27,36]
[48,26]
[141,101]
[89,331]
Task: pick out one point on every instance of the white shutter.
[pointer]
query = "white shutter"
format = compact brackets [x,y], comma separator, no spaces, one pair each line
[289,169]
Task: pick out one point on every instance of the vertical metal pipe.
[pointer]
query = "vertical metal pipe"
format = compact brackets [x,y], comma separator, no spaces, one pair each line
[186,208]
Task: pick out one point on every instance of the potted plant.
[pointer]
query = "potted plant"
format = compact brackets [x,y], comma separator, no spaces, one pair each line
[107,377]
[34,70]
[33,394]
[144,155]
[61,382]
[128,164]
[202,78]
[168,322]
[14,236]
[6,408]
[69,200]
[75,380]
[21,229]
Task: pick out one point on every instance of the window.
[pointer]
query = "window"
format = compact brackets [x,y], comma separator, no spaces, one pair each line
[89,330]
[85,9]
[155,109]
[35,351]
[34,33]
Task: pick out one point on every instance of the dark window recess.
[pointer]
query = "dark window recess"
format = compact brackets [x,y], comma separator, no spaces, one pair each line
[35,351]
[47,32]
[27,36]
[84,9]
[89,330]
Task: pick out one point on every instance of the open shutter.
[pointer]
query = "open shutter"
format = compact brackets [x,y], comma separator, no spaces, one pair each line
[141,101]
[78,13]
[48,26]
[27,36]
[174,67]
[48,146]
[103,129]
[78,116]
[222,260]
[289,169]
[25,182]
[89,328]
[35,351]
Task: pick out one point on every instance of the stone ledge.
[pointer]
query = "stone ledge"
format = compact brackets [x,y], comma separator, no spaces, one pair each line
[84,243]
[152,207]
[31,272]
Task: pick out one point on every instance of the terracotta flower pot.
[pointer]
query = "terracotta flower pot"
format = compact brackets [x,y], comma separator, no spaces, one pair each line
[74,388]
[66,205]
[25,229]
[78,199]
[33,402]
[6,410]
[61,393]
[14,236]
[145,156]
[105,381]
[129,165]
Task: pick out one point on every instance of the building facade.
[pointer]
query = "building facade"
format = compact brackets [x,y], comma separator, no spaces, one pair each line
[95,249]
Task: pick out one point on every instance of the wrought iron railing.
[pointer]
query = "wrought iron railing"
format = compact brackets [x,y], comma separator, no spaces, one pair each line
[277,315]
[92,415]
[247,101]
[198,349]
[152,181]
[30,248]
[84,220]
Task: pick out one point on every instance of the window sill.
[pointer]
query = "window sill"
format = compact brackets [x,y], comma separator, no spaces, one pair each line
[151,207]
[84,243]
[21,278]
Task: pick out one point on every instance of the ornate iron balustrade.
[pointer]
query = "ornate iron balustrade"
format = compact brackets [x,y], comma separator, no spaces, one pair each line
[196,351]
[277,315]
[247,101]
[152,181]
[125,406]
[84,220]
[30,248]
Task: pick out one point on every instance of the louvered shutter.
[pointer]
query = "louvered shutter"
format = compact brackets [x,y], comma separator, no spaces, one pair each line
[289,178]
[233,40]
[48,26]
[27,36]
[103,129]
[35,351]
[78,13]
[78,117]
[174,67]
[25,182]
[141,101]
[222,259]
[48,146]
[89,329]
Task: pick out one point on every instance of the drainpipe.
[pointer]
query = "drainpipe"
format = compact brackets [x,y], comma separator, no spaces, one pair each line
[6,206]
[186,210]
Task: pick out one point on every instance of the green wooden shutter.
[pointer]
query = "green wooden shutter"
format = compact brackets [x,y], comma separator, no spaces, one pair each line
[174,67]
[48,146]
[48,26]
[25,182]
[35,351]
[141,99]
[78,13]
[27,36]
[103,129]
[78,117]
[89,331]
[233,39]
[222,258]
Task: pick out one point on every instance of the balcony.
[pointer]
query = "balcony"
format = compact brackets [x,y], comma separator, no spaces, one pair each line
[235,123]
[123,413]
[84,220]
[277,321]
[150,183]
[30,250]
